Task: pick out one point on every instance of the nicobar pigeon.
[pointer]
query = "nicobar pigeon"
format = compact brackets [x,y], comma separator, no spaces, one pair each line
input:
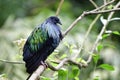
[41,43]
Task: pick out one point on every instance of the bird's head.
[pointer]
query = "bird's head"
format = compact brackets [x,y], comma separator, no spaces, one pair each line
[54,20]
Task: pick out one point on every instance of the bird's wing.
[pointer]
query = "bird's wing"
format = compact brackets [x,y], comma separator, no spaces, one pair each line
[35,42]
[37,39]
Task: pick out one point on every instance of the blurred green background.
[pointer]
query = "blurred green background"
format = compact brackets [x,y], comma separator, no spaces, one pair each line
[19,17]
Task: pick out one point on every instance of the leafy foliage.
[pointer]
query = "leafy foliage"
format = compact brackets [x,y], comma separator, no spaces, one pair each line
[96,57]
[96,78]
[107,67]
[62,74]
[73,73]
[116,33]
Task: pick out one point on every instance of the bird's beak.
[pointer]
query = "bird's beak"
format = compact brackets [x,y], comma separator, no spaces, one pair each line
[59,23]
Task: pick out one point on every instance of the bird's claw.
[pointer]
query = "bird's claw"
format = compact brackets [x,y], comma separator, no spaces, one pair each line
[44,64]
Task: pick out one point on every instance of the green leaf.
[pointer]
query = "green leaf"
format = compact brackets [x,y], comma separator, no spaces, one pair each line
[63,56]
[82,61]
[75,72]
[71,48]
[3,75]
[110,7]
[96,57]
[76,78]
[105,36]
[66,44]
[106,67]
[62,74]
[109,45]
[96,78]
[99,47]
[116,33]
[45,78]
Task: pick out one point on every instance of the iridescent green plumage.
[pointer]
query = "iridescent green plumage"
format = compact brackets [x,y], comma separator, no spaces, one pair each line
[37,38]
[41,43]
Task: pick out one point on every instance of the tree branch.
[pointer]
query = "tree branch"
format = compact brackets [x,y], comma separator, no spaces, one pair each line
[73,24]
[13,62]
[36,74]
[94,4]
[101,33]
[59,7]
[63,62]
[103,6]
[100,12]
[41,68]
[86,35]
[94,11]
[85,14]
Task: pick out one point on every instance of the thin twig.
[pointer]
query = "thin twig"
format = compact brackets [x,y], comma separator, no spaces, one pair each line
[100,12]
[94,4]
[101,33]
[103,6]
[73,24]
[63,62]
[105,1]
[59,7]
[41,68]
[85,14]
[86,35]
[82,15]
[59,65]
[13,62]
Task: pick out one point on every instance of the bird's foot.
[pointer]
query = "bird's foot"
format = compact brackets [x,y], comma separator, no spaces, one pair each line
[44,64]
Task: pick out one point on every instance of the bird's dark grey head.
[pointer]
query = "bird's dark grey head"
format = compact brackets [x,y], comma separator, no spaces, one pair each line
[54,20]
